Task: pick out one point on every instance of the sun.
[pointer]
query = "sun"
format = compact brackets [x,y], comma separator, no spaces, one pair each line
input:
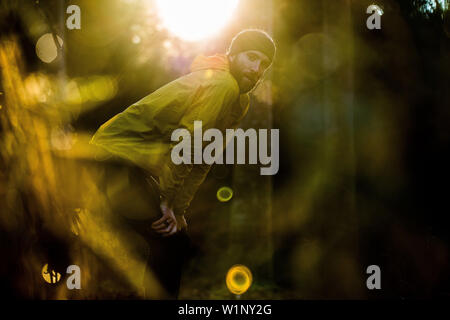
[195,20]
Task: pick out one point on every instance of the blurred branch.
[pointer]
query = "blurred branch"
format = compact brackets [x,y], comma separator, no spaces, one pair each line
[51,26]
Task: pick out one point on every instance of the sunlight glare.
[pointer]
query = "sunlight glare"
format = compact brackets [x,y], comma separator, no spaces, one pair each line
[196,19]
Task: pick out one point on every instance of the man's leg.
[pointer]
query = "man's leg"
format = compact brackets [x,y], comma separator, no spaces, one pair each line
[166,260]
[167,254]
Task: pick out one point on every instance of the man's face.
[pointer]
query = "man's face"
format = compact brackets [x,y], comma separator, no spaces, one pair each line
[248,67]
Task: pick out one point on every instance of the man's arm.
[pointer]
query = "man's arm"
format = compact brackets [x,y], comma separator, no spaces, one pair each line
[173,220]
[190,187]
[211,104]
[178,183]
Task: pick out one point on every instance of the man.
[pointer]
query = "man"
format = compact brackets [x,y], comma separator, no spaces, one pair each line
[216,93]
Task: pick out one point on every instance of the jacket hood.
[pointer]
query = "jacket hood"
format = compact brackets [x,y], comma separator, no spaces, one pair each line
[218,61]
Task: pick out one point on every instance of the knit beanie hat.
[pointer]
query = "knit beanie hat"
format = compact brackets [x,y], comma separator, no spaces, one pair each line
[253,39]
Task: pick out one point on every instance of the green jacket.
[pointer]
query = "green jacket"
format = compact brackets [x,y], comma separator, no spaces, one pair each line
[142,133]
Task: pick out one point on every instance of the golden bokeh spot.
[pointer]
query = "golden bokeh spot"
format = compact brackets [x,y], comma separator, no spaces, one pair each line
[38,88]
[136,39]
[224,194]
[72,93]
[102,88]
[50,276]
[46,48]
[167,44]
[209,73]
[239,279]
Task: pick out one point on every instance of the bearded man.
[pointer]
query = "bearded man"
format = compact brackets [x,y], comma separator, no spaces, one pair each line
[216,93]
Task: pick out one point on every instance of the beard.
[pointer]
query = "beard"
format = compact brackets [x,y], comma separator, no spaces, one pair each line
[246,84]
[244,78]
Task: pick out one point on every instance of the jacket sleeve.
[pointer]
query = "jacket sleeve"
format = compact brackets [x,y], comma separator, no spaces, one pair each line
[190,187]
[178,183]
[141,133]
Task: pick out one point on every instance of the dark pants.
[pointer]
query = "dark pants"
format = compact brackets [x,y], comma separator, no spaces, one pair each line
[136,203]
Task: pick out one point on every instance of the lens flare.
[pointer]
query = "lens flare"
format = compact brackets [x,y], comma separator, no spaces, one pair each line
[239,279]
[224,194]
[196,19]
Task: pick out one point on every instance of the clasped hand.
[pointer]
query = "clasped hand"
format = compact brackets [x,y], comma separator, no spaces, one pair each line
[169,223]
